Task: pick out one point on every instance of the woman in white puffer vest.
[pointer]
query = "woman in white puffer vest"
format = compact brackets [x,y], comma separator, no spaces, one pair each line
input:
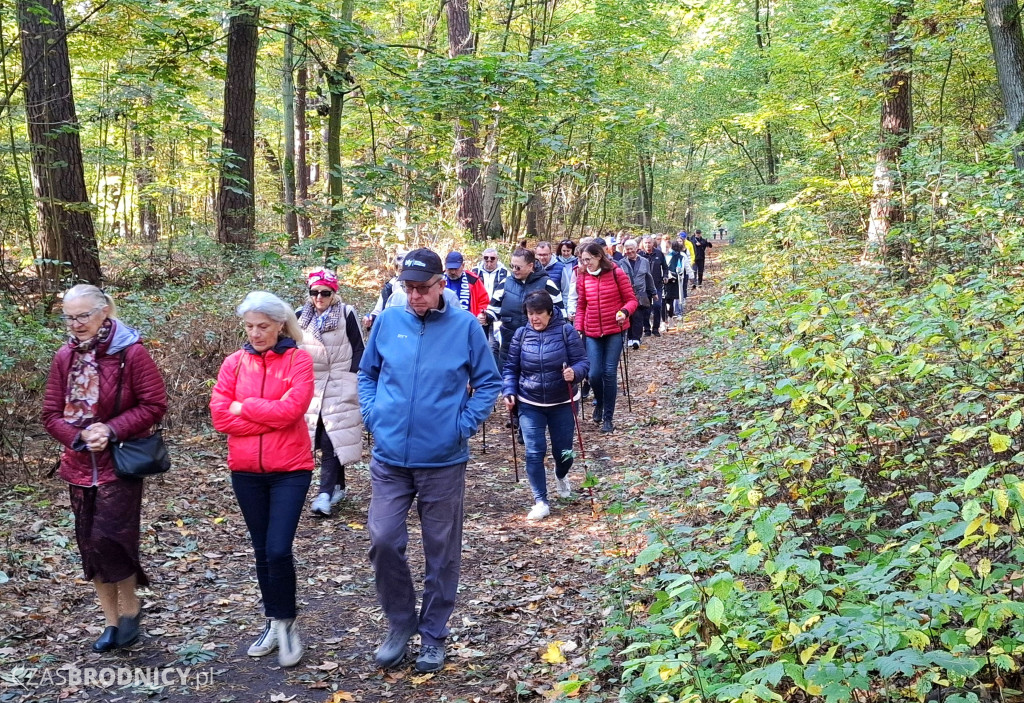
[332,336]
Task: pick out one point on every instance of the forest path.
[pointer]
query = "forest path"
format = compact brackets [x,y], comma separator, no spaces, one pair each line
[524,586]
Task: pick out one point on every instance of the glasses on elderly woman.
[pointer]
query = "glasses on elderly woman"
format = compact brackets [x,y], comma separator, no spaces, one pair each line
[322,293]
[80,319]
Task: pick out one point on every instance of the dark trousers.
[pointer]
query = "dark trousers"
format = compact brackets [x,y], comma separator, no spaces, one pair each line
[698,270]
[440,495]
[536,420]
[652,315]
[332,473]
[636,322]
[603,354]
[271,504]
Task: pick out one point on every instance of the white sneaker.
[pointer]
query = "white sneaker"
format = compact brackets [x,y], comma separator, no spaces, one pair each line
[338,495]
[539,511]
[290,646]
[321,504]
[266,642]
[564,489]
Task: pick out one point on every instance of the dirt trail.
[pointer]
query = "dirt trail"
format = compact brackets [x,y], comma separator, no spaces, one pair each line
[524,585]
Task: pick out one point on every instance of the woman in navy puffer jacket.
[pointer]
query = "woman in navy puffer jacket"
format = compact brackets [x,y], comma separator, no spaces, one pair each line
[545,358]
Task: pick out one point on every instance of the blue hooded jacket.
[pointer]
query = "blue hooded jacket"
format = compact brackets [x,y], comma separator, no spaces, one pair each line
[533,370]
[414,381]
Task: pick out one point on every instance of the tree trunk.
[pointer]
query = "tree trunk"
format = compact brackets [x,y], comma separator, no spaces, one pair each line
[491,199]
[291,224]
[301,160]
[58,178]
[142,148]
[469,208]
[896,125]
[236,194]
[1004,30]
[337,82]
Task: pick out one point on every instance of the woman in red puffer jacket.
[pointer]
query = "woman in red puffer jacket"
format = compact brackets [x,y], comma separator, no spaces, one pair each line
[605,300]
[260,402]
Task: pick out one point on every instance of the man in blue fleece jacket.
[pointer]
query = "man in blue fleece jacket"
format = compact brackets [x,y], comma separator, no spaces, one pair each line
[415,377]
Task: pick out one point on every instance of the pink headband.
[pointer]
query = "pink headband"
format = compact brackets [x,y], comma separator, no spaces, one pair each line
[323,277]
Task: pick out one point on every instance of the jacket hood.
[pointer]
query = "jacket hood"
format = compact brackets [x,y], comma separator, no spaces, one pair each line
[121,337]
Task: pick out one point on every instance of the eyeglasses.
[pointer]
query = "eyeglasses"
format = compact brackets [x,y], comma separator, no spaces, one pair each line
[490,258]
[517,267]
[420,290]
[80,318]
[321,293]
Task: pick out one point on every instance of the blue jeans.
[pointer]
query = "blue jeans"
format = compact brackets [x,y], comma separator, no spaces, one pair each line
[440,496]
[271,504]
[559,421]
[604,353]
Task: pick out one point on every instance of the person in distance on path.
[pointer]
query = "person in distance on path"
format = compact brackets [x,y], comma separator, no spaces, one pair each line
[415,380]
[659,272]
[639,271]
[331,335]
[545,359]
[700,247]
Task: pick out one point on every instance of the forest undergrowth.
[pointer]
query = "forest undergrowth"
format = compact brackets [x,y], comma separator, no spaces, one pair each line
[850,529]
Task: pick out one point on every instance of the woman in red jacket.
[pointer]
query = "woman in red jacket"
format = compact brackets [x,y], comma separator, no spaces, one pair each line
[605,302]
[260,402]
[103,387]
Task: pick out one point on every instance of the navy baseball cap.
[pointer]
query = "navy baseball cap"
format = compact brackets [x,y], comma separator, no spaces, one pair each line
[420,265]
[454,260]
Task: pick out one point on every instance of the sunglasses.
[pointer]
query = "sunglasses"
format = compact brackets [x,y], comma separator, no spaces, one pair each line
[517,267]
[490,258]
[321,293]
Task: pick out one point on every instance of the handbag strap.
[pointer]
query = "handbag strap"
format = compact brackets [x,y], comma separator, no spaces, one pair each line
[120,378]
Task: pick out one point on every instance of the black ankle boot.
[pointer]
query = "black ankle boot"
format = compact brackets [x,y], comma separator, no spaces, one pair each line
[107,641]
[128,629]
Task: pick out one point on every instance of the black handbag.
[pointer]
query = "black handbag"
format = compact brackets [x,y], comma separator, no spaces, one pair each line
[141,457]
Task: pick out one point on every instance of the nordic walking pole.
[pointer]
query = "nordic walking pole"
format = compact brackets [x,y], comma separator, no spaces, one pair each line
[515,452]
[485,435]
[579,436]
[624,361]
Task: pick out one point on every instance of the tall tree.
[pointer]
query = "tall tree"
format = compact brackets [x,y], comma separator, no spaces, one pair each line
[896,124]
[338,79]
[58,177]
[301,161]
[1004,29]
[291,224]
[469,208]
[236,193]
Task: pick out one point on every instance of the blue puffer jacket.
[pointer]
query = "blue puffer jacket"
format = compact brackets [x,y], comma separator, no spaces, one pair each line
[413,385]
[533,371]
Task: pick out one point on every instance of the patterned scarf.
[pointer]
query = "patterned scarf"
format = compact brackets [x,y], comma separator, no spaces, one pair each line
[83,394]
[327,322]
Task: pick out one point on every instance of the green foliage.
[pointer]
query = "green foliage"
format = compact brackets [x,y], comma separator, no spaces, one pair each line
[868,526]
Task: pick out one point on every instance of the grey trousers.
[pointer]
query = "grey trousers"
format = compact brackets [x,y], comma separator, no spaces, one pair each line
[439,495]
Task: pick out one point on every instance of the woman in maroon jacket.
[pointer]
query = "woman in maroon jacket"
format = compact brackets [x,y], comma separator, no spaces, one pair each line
[102,360]
[260,402]
[605,300]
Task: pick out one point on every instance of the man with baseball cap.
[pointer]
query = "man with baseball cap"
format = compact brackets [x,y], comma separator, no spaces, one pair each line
[466,286]
[415,394]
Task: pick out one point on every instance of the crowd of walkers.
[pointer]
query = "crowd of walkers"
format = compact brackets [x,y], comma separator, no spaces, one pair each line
[446,342]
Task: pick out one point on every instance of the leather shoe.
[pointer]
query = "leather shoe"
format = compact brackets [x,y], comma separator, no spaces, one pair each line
[598,413]
[128,629]
[107,641]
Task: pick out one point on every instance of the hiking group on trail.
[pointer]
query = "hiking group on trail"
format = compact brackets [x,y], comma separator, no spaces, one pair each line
[444,343]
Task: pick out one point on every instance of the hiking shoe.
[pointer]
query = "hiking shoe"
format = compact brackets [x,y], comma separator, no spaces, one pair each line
[656,333]
[266,642]
[289,651]
[598,413]
[321,505]
[431,658]
[128,629]
[391,652]
[607,426]
[338,495]
[539,511]
[564,489]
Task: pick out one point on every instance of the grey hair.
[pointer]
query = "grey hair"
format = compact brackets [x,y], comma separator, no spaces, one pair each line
[264,303]
[649,238]
[85,290]
[542,244]
[628,242]
[490,250]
